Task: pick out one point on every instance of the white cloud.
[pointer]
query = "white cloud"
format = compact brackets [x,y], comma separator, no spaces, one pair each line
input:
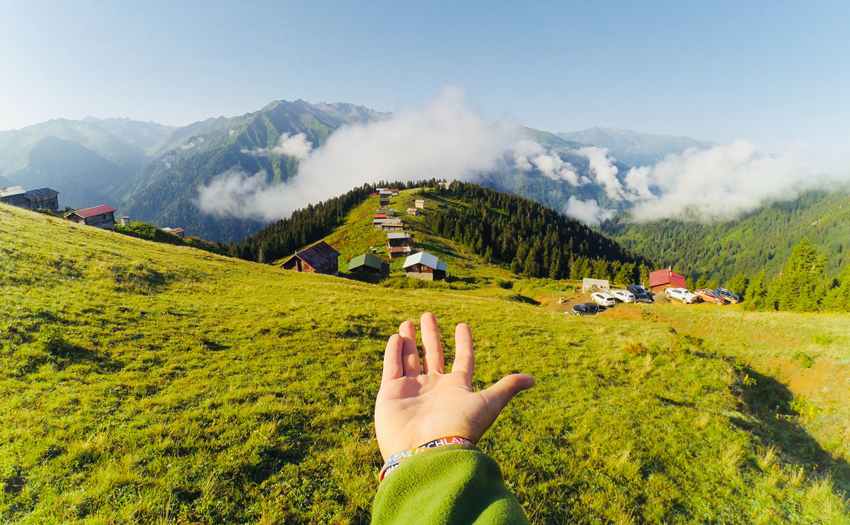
[231,132]
[528,155]
[297,147]
[445,139]
[604,172]
[188,146]
[588,212]
[719,183]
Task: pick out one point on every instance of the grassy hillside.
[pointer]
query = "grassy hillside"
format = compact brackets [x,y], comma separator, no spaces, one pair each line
[145,382]
[760,239]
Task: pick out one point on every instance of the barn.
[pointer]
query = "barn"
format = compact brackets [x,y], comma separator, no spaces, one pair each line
[13,196]
[102,216]
[660,280]
[319,258]
[425,266]
[368,263]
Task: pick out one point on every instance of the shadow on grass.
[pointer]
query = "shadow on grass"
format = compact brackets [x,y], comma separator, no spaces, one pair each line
[769,405]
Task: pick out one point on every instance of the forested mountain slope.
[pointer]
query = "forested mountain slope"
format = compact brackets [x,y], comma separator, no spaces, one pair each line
[762,239]
[165,191]
[145,381]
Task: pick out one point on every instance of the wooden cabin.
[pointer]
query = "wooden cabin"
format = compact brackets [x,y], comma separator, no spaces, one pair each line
[419,204]
[395,226]
[319,258]
[102,216]
[13,196]
[400,244]
[42,198]
[425,266]
[368,263]
[412,211]
[662,279]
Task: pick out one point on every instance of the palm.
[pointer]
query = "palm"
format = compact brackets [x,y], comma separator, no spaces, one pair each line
[414,407]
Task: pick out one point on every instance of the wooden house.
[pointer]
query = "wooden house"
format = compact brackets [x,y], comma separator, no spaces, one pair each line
[368,263]
[377,223]
[180,232]
[319,258]
[412,211]
[395,226]
[14,196]
[400,244]
[662,279]
[102,216]
[425,266]
[42,198]
[419,204]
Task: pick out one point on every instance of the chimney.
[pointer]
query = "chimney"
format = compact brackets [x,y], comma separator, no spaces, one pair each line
[125,221]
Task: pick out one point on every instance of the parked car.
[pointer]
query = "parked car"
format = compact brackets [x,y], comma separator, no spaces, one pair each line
[681,294]
[587,309]
[603,298]
[709,296]
[640,293]
[729,295]
[623,295]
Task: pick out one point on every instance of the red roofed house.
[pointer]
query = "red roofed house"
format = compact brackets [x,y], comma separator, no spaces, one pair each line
[662,279]
[319,258]
[379,216]
[102,216]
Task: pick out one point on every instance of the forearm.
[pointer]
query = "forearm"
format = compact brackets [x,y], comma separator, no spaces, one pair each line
[453,484]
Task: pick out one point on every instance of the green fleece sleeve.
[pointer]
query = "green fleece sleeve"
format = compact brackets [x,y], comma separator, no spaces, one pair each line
[453,484]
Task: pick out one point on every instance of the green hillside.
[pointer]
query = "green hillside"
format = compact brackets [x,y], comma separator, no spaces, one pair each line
[467,225]
[146,383]
[760,239]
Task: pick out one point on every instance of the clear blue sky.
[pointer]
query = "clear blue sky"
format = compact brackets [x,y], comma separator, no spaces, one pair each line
[710,70]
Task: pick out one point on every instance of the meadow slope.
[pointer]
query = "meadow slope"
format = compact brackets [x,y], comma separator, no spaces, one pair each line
[149,383]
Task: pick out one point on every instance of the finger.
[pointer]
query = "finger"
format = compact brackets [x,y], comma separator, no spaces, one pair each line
[432,348]
[464,362]
[392,359]
[499,395]
[409,353]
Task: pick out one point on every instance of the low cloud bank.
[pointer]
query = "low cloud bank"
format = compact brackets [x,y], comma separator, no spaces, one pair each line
[448,138]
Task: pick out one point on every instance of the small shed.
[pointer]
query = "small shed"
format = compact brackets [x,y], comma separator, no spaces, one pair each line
[419,204]
[595,285]
[102,216]
[660,280]
[42,198]
[425,266]
[319,258]
[412,211]
[384,200]
[368,263]
[14,196]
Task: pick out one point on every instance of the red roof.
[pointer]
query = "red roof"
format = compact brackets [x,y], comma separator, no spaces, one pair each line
[667,276]
[379,216]
[91,212]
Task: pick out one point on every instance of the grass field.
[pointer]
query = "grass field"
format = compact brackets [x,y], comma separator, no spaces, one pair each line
[151,383]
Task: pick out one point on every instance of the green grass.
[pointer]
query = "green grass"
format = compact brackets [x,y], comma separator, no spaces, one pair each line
[147,383]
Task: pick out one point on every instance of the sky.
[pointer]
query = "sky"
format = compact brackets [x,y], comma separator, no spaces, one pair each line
[720,71]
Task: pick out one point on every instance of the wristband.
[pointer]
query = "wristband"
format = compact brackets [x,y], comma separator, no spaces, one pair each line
[396,459]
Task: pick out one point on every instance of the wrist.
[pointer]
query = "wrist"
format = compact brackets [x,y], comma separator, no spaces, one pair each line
[396,459]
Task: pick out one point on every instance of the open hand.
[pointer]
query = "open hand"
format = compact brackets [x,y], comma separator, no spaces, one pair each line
[416,406]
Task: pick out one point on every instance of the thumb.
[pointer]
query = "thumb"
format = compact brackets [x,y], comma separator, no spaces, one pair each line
[499,395]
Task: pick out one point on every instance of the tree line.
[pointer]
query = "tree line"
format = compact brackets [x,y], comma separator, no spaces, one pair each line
[533,240]
[803,284]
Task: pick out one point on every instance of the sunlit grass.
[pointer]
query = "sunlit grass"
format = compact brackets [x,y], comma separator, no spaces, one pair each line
[145,382]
